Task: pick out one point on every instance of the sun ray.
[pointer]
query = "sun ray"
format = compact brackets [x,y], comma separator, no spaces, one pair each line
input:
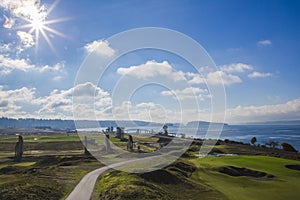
[48,41]
[52,21]
[52,6]
[55,32]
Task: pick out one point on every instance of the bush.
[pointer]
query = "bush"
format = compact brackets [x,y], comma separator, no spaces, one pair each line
[288,147]
[253,140]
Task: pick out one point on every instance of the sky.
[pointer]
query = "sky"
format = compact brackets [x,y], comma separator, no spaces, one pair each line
[254,45]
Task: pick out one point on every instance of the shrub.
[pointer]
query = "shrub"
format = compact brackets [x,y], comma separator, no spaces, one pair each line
[288,147]
[253,140]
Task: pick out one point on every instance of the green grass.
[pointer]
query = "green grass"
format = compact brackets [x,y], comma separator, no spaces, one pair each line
[285,184]
[24,164]
[42,138]
[172,182]
[43,177]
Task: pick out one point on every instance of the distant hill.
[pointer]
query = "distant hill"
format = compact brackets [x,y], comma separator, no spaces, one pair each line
[203,123]
[290,122]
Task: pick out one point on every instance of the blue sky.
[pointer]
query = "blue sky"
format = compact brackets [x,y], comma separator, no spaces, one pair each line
[255,45]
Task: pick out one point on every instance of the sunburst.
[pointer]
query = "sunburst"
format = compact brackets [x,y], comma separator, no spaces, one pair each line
[39,25]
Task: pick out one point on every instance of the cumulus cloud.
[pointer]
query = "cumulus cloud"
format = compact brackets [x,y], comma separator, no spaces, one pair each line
[9,100]
[152,69]
[226,75]
[227,79]
[7,65]
[26,39]
[101,47]
[63,99]
[21,94]
[24,8]
[214,78]
[236,67]
[195,78]
[285,111]
[187,93]
[264,42]
[58,67]
[259,75]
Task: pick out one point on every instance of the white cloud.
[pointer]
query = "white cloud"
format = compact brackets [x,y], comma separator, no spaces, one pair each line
[259,75]
[28,9]
[21,94]
[9,22]
[187,93]
[26,39]
[62,100]
[195,78]
[285,111]
[264,42]
[223,76]
[152,69]
[236,67]
[10,100]
[227,79]
[101,47]
[58,67]
[7,65]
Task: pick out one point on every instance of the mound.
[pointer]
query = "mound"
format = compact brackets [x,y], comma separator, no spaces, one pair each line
[184,168]
[236,171]
[294,167]
[161,176]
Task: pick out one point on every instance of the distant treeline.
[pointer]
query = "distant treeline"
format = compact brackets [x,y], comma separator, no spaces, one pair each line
[60,124]
[36,123]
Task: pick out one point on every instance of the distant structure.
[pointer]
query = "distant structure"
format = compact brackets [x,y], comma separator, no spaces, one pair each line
[19,149]
[130,143]
[165,127]
[107,144]
[110,129]
[120,133]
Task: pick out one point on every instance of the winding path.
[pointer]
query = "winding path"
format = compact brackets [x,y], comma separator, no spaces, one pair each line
[85,188]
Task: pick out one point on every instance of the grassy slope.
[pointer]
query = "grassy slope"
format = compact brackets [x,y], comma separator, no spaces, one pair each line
[285,185]
[173,182]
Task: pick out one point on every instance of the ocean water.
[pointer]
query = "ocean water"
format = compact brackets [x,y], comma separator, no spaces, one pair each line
[244,133]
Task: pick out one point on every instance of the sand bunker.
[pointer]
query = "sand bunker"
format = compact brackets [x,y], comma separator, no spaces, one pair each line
[237,171]
[294,167]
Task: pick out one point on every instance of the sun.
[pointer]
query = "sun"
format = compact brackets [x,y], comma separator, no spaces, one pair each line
[39,25]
